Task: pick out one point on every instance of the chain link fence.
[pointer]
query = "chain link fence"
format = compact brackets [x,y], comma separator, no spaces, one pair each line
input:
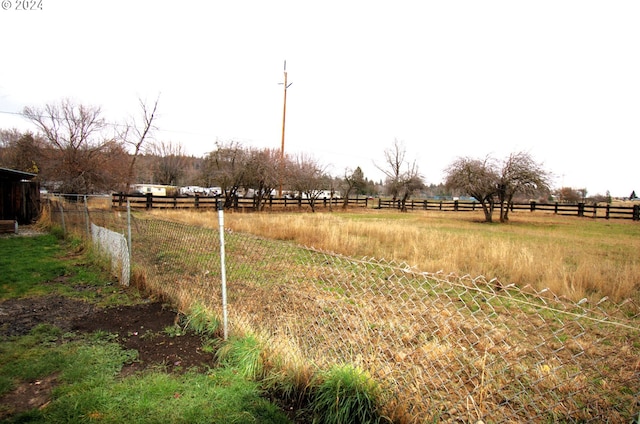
[446,348]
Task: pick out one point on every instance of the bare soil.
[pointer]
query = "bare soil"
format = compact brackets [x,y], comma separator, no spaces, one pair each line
[140,327]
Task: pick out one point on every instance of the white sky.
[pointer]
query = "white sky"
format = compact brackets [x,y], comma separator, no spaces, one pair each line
[558,79]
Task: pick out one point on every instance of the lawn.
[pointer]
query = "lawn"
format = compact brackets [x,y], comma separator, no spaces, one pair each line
[75,377]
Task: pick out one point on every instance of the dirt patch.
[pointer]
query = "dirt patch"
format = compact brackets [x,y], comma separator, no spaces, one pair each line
[140,327]
[26,396]
[19,316]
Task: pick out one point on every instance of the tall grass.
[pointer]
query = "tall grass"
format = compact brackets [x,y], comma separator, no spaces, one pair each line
[347,395]
[573,257]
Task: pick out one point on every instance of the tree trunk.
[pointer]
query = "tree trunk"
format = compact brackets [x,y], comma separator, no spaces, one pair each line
[504,217]
[503,212]
[487,208]
[403,202]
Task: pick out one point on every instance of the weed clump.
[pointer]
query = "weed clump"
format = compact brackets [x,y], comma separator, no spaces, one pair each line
[347,394]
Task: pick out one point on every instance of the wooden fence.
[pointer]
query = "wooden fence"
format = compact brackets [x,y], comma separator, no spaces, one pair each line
[580,209]
[148,201]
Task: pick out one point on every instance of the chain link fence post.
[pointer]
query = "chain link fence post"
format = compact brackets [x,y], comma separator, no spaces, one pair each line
[223,271]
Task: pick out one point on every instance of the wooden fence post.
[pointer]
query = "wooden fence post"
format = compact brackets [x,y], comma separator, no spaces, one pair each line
[580,209]
[149,203]
[532,206]
[636,212]
[196,201]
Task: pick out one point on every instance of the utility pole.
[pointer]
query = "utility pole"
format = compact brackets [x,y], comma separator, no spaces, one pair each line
[284,116]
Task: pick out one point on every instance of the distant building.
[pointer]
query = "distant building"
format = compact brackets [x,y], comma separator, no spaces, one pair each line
[153,189]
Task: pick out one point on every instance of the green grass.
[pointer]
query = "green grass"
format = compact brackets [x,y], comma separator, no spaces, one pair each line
[27,262]
[88,387]
[46,264]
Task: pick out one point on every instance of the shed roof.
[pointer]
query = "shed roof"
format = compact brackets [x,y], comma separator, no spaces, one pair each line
[14,175]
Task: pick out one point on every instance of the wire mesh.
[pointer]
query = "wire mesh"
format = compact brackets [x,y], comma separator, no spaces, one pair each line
[447,348]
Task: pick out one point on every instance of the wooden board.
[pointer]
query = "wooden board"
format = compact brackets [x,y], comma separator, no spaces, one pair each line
[8,226]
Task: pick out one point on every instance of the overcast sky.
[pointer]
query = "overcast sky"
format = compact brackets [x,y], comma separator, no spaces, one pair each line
[558,79]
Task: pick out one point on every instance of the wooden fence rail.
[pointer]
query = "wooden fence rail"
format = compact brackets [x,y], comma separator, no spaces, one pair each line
[579,209]
[148,201]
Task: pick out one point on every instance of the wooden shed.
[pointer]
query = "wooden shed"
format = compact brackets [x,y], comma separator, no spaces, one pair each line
[19,197]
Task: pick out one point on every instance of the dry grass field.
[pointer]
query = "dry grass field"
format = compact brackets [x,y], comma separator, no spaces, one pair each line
[449,350]
[573,257]
[453,350]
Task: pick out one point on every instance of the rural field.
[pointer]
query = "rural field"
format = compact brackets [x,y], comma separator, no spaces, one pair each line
[534,320]
[575,258]
[445,317]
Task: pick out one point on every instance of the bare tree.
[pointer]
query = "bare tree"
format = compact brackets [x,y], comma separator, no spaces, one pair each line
[308,178]
[477,178]
[78,146]
[226,167]
[571,195]
[490,181]
[136,132]
[21,151]
[108,171]
[353,180]
[262,174]
[521,175]
[170,163]
[402,177]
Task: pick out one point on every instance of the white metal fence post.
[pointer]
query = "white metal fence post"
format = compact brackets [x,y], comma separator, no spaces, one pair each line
[223,272]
